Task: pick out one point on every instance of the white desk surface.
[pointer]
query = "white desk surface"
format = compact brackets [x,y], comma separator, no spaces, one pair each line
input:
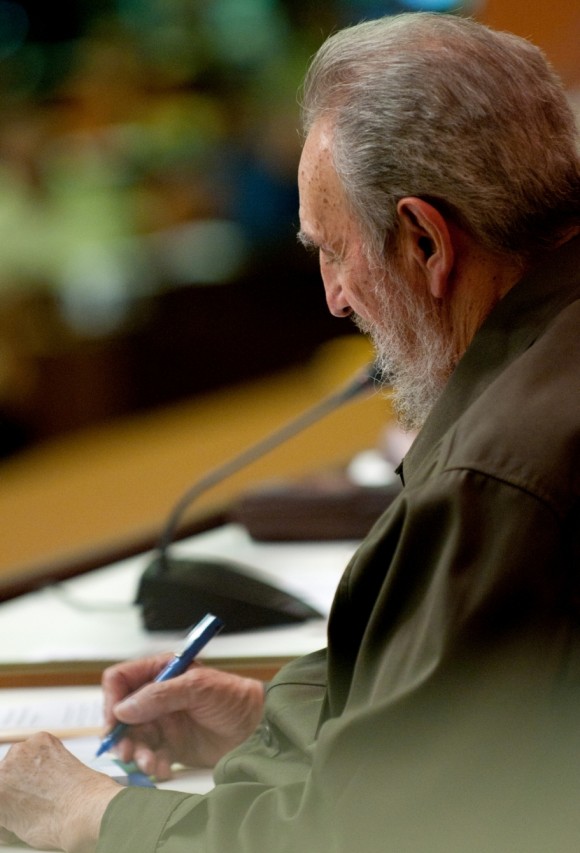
[94,618]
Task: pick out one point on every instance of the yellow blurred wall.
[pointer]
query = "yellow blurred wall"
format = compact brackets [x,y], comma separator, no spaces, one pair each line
[554,25]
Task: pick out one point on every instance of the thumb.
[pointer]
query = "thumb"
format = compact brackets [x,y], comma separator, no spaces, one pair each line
[151,701]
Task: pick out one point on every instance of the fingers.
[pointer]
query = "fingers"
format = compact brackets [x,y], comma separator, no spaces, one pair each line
[157,764]
[152,759]
[121,680]
[155,700]
[194,718]
[209,697]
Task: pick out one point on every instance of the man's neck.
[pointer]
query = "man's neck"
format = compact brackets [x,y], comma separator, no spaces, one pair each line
[481,279]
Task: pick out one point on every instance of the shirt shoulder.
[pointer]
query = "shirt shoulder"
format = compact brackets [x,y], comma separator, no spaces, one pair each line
[524,429]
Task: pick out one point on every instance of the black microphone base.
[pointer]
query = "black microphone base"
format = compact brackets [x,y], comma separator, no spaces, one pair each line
[177,592]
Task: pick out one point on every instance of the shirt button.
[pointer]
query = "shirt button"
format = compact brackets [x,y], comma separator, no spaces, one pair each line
[267,734]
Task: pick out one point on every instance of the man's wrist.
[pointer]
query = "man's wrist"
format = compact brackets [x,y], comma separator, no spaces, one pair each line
[85,811]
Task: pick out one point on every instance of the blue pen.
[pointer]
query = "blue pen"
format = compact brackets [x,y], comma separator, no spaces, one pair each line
[197,638]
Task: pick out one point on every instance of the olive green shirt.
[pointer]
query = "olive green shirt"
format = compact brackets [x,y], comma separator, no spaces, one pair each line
[443,716]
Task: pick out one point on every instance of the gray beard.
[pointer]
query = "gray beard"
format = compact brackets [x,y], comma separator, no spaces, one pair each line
[413,348]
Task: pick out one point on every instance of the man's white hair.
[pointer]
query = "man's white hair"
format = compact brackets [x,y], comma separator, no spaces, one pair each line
[441,107]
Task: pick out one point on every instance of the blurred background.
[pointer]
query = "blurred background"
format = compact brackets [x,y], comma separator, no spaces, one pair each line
[148,204]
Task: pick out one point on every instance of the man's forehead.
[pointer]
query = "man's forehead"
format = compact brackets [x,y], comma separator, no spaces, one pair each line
[319,137]
[321,195]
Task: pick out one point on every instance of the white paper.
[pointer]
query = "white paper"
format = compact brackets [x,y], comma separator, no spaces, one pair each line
[60,710]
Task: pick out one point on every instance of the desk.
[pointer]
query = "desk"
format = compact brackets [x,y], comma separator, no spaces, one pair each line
[67,633]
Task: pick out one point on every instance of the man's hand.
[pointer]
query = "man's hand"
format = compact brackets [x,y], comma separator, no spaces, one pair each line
[193,719]
[50,799]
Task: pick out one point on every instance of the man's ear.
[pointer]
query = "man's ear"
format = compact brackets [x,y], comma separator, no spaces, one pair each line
[426,243]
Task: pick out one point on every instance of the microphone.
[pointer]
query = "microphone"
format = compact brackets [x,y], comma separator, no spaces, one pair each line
[174,592]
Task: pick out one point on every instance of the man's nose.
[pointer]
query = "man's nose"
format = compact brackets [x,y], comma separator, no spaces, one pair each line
[336,300]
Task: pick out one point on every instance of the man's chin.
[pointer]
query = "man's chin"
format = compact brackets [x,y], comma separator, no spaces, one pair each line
[412,392]
[415,379]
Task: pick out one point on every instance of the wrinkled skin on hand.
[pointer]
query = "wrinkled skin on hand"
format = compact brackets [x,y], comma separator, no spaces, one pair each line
[193,719]
[49,799]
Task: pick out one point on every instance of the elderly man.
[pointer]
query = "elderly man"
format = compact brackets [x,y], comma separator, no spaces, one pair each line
[439,183]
